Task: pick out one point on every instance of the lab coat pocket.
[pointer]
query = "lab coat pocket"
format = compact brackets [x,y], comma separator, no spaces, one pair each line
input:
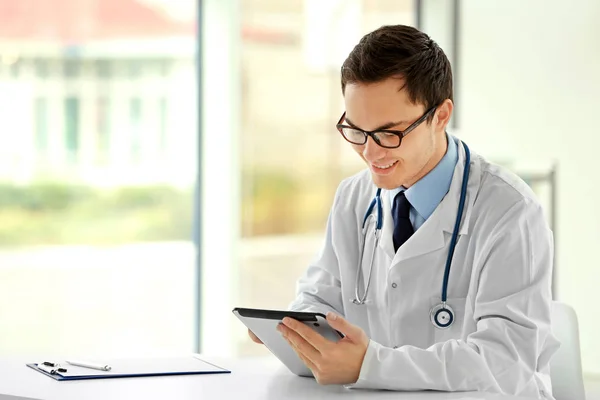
[454,331]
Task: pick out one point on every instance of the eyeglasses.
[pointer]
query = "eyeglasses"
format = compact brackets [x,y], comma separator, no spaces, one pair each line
[388,138]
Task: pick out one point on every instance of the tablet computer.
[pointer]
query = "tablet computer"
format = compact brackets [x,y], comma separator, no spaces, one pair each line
[263,323]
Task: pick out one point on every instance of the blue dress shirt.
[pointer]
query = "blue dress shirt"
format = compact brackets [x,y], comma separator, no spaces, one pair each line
[425,195]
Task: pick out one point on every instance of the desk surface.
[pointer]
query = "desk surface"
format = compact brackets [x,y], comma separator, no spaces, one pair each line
[262,378]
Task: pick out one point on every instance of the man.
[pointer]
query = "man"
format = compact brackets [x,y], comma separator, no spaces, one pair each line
[487,327]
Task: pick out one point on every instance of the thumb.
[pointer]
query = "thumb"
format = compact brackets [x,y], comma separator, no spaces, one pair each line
[338,323]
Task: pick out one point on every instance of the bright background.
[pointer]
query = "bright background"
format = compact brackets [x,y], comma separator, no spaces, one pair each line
[140,204]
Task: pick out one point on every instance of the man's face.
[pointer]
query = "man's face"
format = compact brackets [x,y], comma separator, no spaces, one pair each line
[371,106]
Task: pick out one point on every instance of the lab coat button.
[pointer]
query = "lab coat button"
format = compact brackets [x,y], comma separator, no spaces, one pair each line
[395,347]
[394,285]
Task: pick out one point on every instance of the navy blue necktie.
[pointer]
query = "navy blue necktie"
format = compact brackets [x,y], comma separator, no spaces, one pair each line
[403,228]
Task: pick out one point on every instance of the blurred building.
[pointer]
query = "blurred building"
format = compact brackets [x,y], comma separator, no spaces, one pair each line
[102,91]
[96,91]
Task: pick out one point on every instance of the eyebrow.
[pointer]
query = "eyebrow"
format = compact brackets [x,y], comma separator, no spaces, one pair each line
[384,126]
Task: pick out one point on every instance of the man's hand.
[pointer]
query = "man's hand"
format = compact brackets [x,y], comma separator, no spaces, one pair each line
[254,338]
[331,363]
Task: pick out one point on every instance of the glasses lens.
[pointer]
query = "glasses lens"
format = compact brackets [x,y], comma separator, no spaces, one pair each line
[353,135]
[387,139]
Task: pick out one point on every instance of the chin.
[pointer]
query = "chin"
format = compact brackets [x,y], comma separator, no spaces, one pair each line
[385,182]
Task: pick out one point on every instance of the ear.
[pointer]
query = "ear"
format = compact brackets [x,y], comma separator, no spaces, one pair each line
[443,114]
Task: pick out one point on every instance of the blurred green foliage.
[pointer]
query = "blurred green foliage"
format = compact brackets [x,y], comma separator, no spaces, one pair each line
[54,213]
[273,203]
[276,202]
[45,196]
[268,203]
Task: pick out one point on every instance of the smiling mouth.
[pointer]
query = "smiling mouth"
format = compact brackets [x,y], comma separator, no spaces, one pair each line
[385,166]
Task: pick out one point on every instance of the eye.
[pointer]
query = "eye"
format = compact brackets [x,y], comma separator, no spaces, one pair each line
[388,139]
[352,131]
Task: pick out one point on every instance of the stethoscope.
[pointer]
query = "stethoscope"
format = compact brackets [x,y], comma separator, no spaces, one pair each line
[441,315]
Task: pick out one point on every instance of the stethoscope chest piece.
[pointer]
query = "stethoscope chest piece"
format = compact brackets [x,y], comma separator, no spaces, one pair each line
[442,316]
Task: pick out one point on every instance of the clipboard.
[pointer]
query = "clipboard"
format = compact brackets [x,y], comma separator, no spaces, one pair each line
[135,368]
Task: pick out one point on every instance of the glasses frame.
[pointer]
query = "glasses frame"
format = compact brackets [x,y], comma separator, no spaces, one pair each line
[399,133]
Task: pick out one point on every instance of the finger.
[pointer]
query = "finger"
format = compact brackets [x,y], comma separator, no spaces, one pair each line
[254,338]
[304,359]
[316,340]
[300,344]
[341,324]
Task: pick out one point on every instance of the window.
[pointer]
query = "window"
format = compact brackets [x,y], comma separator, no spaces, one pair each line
[99,256]
[136,67]
[163,115]
[41,125]
[41,67]
[72,127]
[102,129]
[103,68]
[15,66]
[288,184]
[135,119]
[72,68]
[165,66]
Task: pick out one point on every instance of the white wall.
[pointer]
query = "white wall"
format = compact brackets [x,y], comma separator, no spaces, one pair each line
[529,79]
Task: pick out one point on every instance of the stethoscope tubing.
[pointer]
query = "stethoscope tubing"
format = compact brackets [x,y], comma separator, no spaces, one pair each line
[441,309]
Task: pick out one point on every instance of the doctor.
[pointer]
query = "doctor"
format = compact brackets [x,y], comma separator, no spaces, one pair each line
[436,264]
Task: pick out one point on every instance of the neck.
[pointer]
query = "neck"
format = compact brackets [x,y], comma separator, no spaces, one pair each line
[434,160]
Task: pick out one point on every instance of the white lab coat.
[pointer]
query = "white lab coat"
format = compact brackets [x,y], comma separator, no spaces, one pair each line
[499,287]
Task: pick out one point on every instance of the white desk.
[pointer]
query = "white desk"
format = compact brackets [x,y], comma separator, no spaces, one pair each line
[250,379]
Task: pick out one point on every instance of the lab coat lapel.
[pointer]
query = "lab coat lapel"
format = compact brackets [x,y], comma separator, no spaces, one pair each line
[386,243]
[449,205]
[431,235]
[428,238]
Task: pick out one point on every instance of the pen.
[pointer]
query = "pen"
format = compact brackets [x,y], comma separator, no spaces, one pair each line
[86,364]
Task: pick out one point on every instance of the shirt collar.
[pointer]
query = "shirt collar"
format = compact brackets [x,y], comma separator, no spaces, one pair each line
[426,194]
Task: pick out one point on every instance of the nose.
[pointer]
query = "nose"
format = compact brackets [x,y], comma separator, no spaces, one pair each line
[372,151]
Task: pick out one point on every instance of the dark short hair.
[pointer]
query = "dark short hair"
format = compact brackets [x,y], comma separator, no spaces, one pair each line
[404,52]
